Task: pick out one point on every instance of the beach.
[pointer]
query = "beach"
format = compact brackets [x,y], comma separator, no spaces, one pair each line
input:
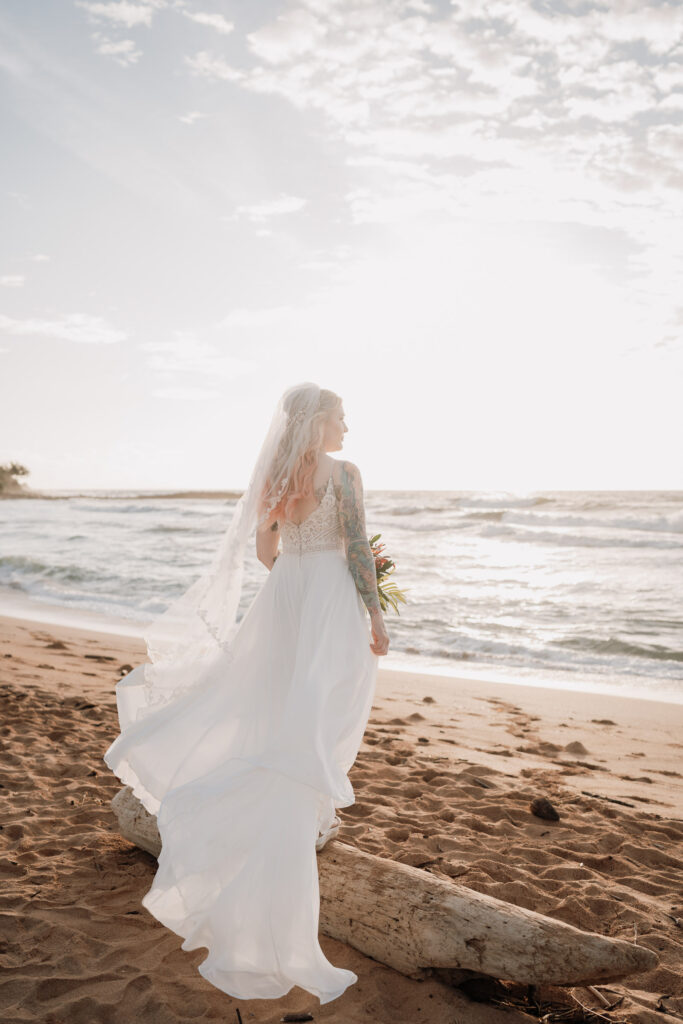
[443,781]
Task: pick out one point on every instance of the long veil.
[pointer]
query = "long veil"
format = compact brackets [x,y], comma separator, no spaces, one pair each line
[202,621]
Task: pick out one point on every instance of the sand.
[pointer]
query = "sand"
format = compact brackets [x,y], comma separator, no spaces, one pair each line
[443,781]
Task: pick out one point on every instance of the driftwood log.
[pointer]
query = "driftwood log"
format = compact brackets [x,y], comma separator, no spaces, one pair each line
[415,922]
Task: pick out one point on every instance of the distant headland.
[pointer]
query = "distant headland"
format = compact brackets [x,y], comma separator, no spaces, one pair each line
[10,485]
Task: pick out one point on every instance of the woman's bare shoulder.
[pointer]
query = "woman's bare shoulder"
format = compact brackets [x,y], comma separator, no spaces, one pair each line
[344,471]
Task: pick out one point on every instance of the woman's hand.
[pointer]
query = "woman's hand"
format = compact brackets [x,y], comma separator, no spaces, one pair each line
[380,637]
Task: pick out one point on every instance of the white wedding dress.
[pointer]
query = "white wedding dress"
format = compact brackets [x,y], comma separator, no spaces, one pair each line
[245,769]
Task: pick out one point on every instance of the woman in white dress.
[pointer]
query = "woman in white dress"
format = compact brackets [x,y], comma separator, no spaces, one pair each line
[239,736]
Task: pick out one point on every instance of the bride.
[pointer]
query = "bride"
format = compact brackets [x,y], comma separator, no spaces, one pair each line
[239,736]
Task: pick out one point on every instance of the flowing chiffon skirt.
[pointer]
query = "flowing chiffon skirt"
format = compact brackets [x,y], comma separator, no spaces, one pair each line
[245,769]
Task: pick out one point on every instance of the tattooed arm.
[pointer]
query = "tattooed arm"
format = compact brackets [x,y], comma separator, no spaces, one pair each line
[352,516]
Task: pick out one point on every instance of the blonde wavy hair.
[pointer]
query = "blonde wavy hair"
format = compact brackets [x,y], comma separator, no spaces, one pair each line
[293,467]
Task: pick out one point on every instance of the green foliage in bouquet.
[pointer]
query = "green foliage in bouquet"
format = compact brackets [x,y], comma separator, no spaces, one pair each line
[389,594]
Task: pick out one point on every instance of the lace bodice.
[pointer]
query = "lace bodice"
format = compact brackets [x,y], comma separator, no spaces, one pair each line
[320,531]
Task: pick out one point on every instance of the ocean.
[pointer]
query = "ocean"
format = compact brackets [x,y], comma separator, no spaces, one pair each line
[578,590]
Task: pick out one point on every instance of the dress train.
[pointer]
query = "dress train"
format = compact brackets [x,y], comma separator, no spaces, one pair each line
[247,767]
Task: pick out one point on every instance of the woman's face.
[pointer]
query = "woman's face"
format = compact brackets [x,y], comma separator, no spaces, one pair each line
[335,428]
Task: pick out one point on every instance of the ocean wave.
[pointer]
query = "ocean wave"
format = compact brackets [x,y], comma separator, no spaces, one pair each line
[599,500]
[504,503]
[14,567]
[91,504]
[404,510]
[658,524]
[621,661]
[415,526]
[23,563]
[612,645]
[407,510]
[574,540]
[493,517]
[167,528]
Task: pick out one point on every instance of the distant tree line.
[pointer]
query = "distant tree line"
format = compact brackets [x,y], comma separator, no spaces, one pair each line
[8,477]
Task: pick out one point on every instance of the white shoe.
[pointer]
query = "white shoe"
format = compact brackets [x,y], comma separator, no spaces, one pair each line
[329,833]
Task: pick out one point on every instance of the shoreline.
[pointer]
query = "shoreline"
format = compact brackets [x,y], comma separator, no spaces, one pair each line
[443,781]
[17,605]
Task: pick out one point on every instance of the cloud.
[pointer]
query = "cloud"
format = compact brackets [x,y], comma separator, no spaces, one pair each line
[40,257]
[503,111]
[208,66]
[12,63]
[260,213]
[185,394]
[21,198]
[498,82]
[243,317]
[191,116]
[12,280]
[186,356]
[124,51]
[291,35]
[77,327]
[215,21]
[674,101]
[121,12]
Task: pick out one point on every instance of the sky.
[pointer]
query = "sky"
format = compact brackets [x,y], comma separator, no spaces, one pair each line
[464,218]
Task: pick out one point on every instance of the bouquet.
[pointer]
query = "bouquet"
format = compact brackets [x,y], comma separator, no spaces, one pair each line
[389,594]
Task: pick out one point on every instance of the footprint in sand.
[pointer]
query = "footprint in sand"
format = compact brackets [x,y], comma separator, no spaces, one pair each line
[398,835]
[435,777]
[543,748]
[396,759]
[11,869]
